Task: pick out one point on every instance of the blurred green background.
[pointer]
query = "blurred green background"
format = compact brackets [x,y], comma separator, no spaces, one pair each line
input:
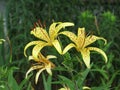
[17,18]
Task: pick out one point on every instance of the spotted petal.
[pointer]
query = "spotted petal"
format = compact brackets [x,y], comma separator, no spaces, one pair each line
[68,47]
[63,25]
[48,69]
[52,31]
[86,57]
[81,37]
[30,44]
[91,39]
[99,51]
[57,46]
[70,35]
[37,49]
[81,32]
[40,33]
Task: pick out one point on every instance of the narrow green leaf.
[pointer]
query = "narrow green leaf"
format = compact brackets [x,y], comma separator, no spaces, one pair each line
[67,82]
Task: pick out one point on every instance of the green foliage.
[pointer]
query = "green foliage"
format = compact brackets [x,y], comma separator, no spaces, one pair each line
[101,19]
[47,82]
[86,19]
[7,80]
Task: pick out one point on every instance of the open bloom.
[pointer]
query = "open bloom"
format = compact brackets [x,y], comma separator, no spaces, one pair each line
[81,42]
[41,64]
[46,39]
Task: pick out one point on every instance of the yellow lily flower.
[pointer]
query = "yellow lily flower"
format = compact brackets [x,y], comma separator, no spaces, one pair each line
[42,64]
[1,41]
[81,42]
[46,39]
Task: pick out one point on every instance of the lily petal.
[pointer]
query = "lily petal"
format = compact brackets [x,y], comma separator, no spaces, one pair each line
[69,46]
[32,68]
[37,75]
[51,56]
[48,69]
[99,51]
[52,31]
[81,37]
[37,49]
[70,35]
[63,25]
[40,33]
[81,32]
[30,58]
[91,39]
[56,44]
[86,56]
[30,44]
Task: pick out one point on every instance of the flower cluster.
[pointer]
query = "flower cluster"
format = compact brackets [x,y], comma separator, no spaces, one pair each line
[45,39]
[80,42]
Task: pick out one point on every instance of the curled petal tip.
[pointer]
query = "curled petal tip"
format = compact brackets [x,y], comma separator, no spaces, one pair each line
[88,67]
[106,59]
[25,55]
[105,41]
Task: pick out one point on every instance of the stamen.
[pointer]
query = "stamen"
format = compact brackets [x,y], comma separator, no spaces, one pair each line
[40,24]
[44,25]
